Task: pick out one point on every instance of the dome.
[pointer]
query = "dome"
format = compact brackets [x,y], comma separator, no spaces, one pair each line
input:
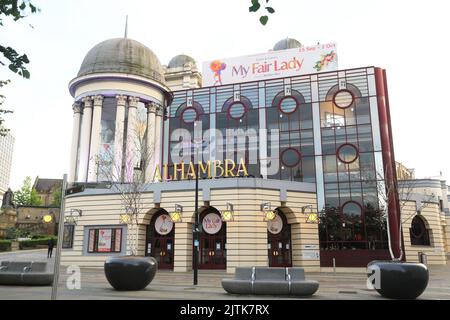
[287,43]
[180,61]
[122,55]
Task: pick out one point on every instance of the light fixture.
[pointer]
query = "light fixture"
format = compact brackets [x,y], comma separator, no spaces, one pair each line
[312,217]
[47,218]
[124,218]
[228,214]
[269,214]
[72,217]
[177,214]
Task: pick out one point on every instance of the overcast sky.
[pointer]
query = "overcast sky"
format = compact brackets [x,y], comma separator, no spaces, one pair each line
[407,38]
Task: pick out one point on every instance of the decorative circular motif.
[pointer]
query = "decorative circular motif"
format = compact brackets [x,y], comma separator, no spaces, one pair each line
[212,223]
[276,225]
[163,224]
[237,110]
[347,153]
[343,98]
[189,115]
[290,157]
[352,210]
[288,105]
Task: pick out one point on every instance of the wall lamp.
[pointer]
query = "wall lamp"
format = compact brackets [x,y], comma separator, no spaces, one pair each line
[312,217]
[269,214]
[72,217]
[177,214]
[228,214]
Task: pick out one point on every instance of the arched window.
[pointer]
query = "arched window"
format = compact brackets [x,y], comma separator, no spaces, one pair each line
[419,233]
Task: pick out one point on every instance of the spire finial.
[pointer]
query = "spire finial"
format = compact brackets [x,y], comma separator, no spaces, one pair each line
[126,27]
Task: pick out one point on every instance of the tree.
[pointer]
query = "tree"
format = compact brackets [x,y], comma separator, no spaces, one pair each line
[27,196]
[256,5]
[56,198]
[125,171]
[16,9]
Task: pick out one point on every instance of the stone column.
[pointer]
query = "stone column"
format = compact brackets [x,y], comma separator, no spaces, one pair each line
[85,136]
[76,107]
[151,118]
[118,138]
[95,138]
[158,134]
[133,148]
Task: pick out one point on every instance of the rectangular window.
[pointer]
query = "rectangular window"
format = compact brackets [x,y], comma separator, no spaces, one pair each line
[105,240]
[68,236]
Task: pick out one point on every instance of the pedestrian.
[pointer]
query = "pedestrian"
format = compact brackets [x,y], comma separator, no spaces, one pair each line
[51,244]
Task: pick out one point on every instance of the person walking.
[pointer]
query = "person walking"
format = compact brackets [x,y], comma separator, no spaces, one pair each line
[51,244]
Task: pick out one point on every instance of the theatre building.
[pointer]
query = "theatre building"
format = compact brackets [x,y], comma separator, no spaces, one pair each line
[294,160]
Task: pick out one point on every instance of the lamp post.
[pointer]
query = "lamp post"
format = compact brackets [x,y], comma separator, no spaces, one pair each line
[196,231]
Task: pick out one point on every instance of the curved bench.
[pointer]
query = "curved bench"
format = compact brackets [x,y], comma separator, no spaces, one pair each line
[270,281]
[25,273]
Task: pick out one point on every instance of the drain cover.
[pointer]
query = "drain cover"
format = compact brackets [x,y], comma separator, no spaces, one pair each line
[348,292]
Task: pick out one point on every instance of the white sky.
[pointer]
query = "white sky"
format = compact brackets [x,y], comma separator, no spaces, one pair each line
[407,38]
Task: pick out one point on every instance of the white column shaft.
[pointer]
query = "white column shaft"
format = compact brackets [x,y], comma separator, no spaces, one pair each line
[74,146]
[118,138]
[95,138]
[132,147]
[158,136]
[151,119]
[85,136]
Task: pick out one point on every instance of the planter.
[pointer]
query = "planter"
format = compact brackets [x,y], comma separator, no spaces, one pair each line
[399,280]
[130,272]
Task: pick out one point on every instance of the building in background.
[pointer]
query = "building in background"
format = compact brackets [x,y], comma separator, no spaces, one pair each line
[313,139]
[47,189]
[6,155]
[403,173]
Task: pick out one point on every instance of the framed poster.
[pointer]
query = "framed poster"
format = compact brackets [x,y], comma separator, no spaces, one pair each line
[91,240]
[212,223]
[163,224]
[104,240]
[275,226]
[118,240]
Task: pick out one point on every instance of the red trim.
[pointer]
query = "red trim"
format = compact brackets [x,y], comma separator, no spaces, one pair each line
[297,104]
[230,116]
[388,160]
[347,144]
[340,91]
[298,154]
[186,109]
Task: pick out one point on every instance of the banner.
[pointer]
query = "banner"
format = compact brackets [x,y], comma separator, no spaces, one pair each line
[269,65]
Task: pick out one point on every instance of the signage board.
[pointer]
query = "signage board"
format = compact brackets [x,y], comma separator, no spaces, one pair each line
[270,65]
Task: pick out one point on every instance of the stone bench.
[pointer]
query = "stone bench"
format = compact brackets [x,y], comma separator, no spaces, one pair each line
[25,273]
[270,281]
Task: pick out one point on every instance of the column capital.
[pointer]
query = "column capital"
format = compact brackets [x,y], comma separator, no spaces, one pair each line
[133,102]
[87,101]
[151,107]
[98,100]
[159,110]
[121,100]
[76,107]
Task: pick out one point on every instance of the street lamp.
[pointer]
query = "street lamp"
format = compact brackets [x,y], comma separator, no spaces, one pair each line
[196,231]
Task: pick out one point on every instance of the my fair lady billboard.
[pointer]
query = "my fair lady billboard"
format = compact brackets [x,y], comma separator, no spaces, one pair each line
[269,65]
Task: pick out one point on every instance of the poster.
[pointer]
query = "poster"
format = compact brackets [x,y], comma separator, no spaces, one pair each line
[212,223]
[91,240]
[104,240]
[270,65]
[118,240]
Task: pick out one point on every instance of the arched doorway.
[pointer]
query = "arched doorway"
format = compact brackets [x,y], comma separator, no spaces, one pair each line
[161,239]
[212,240]
[279,245]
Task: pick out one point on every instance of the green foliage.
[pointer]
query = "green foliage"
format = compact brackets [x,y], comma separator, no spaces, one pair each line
[27,196]
[256,5]
[14,233]
[3,131]
[15,9]
[5,245]
[33,243]
[56,198]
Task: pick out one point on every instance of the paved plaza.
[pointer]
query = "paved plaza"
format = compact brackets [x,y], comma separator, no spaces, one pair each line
[168,285]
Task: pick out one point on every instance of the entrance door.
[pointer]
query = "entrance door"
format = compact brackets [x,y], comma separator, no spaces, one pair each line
[212,242]
[279,242]
[160,240]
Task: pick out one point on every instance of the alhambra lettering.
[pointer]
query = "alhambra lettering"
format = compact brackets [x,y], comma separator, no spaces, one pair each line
[212,169]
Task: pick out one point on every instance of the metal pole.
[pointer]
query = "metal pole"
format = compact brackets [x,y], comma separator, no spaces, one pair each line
[196,226]
[60,239]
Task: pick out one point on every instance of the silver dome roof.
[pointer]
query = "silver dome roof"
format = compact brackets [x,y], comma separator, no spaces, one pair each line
[122,55]
[287,43]
[180,61]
